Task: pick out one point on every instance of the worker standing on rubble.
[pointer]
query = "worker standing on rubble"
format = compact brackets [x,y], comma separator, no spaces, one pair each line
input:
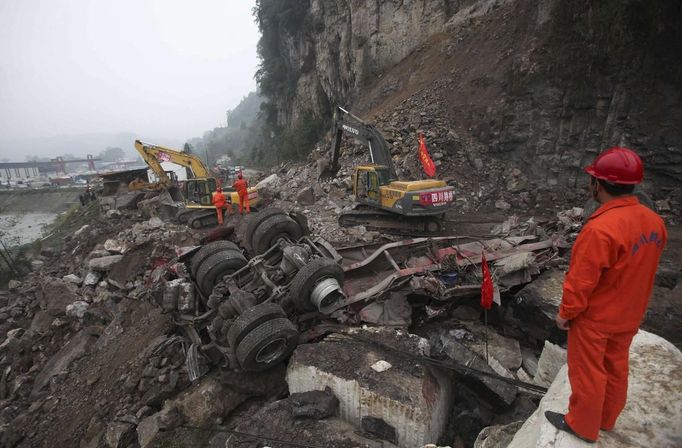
[606,293]
[242,187]
[219,201]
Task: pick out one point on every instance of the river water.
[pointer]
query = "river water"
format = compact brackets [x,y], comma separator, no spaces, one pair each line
[16,230]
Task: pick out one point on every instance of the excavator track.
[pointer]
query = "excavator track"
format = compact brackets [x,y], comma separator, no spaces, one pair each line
[203,219]
[393,223]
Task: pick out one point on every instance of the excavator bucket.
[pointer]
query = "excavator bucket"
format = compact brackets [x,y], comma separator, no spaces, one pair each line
[327,171]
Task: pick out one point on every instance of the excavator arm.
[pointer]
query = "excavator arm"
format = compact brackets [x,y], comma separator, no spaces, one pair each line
[153,155]
[346,122]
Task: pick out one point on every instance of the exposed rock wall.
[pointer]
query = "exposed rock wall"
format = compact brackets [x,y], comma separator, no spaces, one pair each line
[350,41]
[543,85]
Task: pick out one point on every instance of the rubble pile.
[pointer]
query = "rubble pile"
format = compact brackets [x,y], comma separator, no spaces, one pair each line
[89,357]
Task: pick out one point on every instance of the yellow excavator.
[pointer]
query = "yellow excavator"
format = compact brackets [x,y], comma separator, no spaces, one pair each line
[384,203]
[197,191]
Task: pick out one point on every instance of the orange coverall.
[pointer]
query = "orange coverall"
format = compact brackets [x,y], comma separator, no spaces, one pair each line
[242,187]
[219,201]
[605,296]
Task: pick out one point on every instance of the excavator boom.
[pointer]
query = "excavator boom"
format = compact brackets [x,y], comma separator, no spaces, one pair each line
[153,155]
[344,121]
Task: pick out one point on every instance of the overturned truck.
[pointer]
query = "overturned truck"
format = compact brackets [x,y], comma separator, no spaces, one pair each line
[250,313]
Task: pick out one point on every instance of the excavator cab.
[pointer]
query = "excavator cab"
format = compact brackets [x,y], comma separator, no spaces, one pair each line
[199,192]
[366,183]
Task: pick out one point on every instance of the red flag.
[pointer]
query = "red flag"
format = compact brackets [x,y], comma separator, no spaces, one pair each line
[487,285]
[427,163]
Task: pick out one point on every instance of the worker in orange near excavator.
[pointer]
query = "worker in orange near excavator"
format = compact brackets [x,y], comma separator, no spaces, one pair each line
[242,188]
[606,293]
[219,200]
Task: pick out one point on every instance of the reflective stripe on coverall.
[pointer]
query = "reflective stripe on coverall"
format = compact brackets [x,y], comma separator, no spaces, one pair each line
[219,201]
[605,296]
[242,188]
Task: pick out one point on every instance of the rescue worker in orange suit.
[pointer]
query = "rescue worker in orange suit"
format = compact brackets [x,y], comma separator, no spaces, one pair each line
[219,200]
[606,292]
[242,188]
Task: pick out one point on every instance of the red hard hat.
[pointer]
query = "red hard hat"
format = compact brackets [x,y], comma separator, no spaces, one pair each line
[219,190]
[617,165]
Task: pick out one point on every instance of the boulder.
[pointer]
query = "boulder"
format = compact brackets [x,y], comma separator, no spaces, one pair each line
[207,401]
[115,246]
[306,196]
[148,429]
[453,345]
[77,309]
[103,264]
[276,420]
[77,347]
[58,296]
[41,322]
[552,359]
[120,434]
[92,278]
[652,416]
[73,278]
[497,436]
[537,304]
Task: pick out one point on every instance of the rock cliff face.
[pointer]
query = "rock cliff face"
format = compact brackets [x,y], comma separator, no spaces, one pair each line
[346,42]
[540,85]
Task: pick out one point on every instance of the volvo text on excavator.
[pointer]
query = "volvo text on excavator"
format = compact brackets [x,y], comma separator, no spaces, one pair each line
[199,211]
[383,202]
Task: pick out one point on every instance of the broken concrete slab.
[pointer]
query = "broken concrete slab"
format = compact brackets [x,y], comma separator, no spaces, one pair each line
[410,397]
[652,416]
[103,264]
[552,359]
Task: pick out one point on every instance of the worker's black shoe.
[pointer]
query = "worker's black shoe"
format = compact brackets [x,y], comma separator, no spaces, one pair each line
[559,423]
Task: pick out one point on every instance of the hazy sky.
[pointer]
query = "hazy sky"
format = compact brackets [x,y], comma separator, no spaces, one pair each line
[164,69]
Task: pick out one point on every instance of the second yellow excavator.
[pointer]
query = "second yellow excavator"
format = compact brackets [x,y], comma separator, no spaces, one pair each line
[197,191]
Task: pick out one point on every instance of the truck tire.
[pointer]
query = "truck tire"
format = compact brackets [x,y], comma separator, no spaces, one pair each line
[308,276]
[273,228]
[252,318]
[267,345]
[256,219]
[208,250]
[216,266]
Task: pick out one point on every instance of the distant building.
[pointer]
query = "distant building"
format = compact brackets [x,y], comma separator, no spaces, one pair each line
[14,171]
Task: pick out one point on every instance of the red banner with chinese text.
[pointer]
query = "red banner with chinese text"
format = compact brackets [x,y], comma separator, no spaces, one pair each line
[427,163]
